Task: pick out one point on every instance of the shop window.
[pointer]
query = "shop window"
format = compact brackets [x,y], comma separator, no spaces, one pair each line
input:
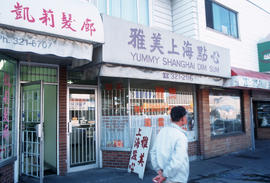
[132,10]
[225,112]
[221,19]
[263,114]
[35,73]
[7,108]
[125,109]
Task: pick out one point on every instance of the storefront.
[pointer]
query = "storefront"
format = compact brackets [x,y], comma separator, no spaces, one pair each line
[145,72]
[258,84]
[40,42]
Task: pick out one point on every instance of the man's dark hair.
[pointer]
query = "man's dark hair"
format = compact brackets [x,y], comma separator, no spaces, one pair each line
[177,113]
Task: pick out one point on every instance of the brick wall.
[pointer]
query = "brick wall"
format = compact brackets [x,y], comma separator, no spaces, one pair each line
[62,120]
[115,159]
[263,133]
[120,159]
[193,148]
[210,147]
[7,174]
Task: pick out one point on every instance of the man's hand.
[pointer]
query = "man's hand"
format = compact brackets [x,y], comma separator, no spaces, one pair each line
[159,178]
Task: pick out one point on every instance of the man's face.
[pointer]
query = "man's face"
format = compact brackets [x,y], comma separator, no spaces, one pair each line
[184,120]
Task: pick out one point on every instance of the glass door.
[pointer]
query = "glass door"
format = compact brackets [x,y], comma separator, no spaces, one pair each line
[82,128]
[32,139]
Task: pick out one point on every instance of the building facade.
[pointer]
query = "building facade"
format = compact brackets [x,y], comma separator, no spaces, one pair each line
[76,85]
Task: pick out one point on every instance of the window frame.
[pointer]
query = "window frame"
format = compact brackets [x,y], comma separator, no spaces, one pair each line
[209,15]
[228,92]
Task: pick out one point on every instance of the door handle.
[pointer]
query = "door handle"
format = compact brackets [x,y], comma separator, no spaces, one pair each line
[39,130]
[69,127]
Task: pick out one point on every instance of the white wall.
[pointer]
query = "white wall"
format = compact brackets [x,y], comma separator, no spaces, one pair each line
[184,17]
[161,14]
[253,26]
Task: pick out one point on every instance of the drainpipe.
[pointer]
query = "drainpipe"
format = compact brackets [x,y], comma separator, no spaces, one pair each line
[252,126]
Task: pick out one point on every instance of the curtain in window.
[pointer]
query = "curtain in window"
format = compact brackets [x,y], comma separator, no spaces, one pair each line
[115,8]
[221,19]
[233,24]
[143,12]
[102,6]
[132,10]
[129,10]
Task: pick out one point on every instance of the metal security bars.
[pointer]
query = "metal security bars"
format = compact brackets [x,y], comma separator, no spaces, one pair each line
[35,73]
[83,146]
[125,109]
[31,118]
[115,119]
[151,107]
[82,114]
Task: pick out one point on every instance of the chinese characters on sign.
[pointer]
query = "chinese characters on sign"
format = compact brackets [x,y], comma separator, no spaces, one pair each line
[160,49]
[200,54]
[6,121]
[47,18]
[140,148]
[55,17]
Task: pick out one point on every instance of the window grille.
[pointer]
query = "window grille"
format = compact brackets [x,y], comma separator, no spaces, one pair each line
[124,110]
[35,73]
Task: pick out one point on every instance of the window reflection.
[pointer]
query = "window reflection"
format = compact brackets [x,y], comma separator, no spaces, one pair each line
[263,114]
[225,113]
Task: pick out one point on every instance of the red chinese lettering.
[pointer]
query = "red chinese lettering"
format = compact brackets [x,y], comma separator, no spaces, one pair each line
[48,16]
[6,132]
[137,109]
[144,142]
[160,92]
[66,21]
[134,155]
[140,162]
[119,86]
[137,143]
[5,117]
[172,92]
[88,26]
[139,132]
[160,122]
[6,80]
[108,87]
[147,122]
[131,167]
[18,9]
[6,97]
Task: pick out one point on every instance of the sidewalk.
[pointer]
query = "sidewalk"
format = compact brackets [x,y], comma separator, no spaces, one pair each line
[243,167]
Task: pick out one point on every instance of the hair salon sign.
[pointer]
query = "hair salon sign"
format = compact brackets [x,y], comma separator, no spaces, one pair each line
[133,44]
[67,18]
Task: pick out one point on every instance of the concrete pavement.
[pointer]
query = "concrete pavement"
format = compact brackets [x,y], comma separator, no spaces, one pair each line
[242,167]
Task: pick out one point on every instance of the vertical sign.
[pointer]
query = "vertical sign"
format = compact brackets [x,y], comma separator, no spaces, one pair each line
[139,153]
[264,56]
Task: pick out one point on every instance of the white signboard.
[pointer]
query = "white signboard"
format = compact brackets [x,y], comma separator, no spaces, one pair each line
[157,75]
[139,153]
[67,18]
[247,82]
[133,44]
[28,42]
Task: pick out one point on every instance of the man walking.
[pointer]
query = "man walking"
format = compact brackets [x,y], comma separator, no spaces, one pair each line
[169,155]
